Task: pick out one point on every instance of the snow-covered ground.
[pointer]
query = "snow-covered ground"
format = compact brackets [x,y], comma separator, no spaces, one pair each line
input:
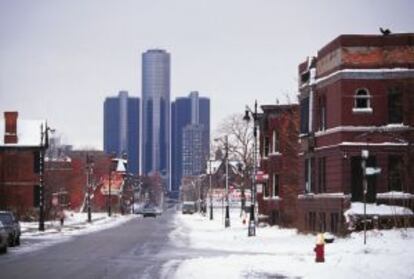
[74,224]
[281,253]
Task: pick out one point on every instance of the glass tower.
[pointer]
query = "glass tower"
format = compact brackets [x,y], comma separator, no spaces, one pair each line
[121,128]
[156,114]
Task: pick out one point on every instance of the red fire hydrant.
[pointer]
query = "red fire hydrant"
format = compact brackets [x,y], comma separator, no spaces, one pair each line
[320,249]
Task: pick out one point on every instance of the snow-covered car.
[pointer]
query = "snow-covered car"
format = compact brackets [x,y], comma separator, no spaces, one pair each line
[12,227]
[4,242]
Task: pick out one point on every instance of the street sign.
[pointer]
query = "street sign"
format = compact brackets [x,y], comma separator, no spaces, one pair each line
[372,171]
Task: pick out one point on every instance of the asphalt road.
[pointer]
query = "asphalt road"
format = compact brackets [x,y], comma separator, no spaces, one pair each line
[136,249]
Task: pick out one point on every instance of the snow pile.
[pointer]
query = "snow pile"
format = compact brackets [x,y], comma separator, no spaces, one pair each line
[283,253]
[357,208]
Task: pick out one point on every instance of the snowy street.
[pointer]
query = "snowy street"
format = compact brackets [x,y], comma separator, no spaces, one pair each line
[192,246]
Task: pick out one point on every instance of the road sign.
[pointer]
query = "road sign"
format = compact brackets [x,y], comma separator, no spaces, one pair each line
[372,171]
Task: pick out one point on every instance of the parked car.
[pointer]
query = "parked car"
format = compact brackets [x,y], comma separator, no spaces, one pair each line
[4,242]
[188,207]
[12,227]
[149,211]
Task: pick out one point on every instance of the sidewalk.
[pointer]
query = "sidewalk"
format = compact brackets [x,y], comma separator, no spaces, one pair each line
[279,253]
[74,222]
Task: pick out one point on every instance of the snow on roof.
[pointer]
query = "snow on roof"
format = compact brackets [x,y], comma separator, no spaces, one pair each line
[120,167]
[28,133]
[357,208]
[368,71]
[350,128]
[395,195]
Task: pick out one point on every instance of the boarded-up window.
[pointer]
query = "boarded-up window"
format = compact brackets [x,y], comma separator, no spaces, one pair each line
[395,172]
[266,146]
[275,185]
[395,106]
[322,175]
[304,115]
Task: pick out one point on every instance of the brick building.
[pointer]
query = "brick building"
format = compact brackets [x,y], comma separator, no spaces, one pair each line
[356,94]
[279,129]
[19,164]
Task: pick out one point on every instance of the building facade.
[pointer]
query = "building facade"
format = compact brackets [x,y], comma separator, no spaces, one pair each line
[279,130]
[356,95]
[20,147]
[156,114]
[190,117]
[121,128]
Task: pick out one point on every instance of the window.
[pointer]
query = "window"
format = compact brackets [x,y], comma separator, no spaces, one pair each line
[275,142]
[275,184]
[322,113]
[308,175]
[395,106]
[36,195]
[266,146]
[395,171]
[36,162]
[322,175]
[266,193]
[304,115]
[362,100]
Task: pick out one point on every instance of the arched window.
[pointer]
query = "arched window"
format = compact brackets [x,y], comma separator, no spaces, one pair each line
[362,99]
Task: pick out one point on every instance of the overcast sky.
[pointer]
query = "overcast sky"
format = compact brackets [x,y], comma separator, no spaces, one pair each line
[60,59]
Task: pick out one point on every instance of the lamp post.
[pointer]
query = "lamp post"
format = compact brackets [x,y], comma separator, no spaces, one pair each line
[211,193]
[44,142]
[227,219]
[227,211]
[252,224]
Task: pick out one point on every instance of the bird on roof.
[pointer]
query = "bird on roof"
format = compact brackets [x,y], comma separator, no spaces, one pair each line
[385,32]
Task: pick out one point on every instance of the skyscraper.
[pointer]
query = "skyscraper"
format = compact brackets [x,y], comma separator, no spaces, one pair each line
[156,114]
[121,128]
[190,121]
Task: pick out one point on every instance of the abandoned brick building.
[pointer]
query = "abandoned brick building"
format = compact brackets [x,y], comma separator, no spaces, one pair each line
[356,94]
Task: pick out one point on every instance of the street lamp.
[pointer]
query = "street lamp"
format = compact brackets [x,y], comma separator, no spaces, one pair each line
[44,143]
[227,219]
[211,193]
[89,170]
[252,224]
[226,146]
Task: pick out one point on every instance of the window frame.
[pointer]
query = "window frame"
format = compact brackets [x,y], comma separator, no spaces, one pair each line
[274,188]
[365,109]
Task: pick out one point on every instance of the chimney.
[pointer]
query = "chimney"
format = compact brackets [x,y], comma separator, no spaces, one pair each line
[10,135]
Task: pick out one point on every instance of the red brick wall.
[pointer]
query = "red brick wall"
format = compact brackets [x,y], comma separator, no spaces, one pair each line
[285,120]
[17,179]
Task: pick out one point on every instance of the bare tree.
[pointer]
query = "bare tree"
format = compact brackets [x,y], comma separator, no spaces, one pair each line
[240,146]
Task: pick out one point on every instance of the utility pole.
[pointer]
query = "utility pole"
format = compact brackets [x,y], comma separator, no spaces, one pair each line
[227,219]
[211,193]
[89,170]
[41,179]
[44,142]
